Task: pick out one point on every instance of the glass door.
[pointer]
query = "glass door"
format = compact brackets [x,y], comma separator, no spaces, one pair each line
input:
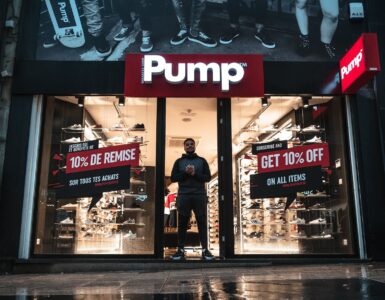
[194,118]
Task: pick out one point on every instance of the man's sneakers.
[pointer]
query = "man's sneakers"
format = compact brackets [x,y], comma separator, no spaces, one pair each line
[180,37]
[146,45]
[178,255]
[203,39]
[230,34]
[263,37]
[207,255]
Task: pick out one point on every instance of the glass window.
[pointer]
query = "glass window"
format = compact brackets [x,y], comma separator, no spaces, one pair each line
[97,177]
[290,176]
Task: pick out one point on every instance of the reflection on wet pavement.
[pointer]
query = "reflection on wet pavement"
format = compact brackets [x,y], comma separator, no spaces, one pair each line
[340,281]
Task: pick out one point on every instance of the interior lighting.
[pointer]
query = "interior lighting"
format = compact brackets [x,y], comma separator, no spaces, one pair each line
[122,100]
[305,102]
[80,101]
[265,101]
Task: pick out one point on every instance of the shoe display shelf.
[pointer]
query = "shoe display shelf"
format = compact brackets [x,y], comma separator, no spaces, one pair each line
[213,216]
[65,229]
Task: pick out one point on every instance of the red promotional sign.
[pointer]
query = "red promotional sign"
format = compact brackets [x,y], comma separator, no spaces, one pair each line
[294,158]
[360,63]
[194,75]
[103,158]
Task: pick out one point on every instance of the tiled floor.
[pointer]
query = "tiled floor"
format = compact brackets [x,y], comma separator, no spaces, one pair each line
[337,281]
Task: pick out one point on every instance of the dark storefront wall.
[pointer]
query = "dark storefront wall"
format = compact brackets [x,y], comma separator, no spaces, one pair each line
[69,78]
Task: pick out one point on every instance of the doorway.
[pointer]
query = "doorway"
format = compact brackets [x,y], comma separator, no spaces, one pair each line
[191,118]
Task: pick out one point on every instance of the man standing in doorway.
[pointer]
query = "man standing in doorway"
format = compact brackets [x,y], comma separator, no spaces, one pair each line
[191,172]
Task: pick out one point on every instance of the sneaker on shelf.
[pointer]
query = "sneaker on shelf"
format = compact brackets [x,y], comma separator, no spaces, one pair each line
[75,127]
[297,205]
[277,206]
[312,128]
[118,127]
[295,128]
[141,198]
[123,33]
[67,221]
[299,235]
[203,39]
[270,129]
[115,140]
[255,222]
[130,235]
[129,221]
[178,255]
[280,221]
[263,37]
[179,38]
[318,221]
[146,45]
[304,45]
[137,181]
[73,140]
[317,206]
[254,206]
[329,50]
[256,234]
[207,255]
[230,34]
[298,221]
[138,126]
[314,140]
[295,141]
[251,140]
[50,42]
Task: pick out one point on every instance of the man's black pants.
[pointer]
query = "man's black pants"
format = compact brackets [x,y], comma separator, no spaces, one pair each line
[197,204]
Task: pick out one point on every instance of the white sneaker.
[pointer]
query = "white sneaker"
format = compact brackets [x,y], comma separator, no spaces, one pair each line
[116,140]
[73,140]
[298,221]
[270,129]
[318,221]
[67,221]
[312,128]
[315,140]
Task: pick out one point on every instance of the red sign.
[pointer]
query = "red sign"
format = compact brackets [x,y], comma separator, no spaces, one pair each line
[191,75]
[294,158]
[360,63]
[103,158]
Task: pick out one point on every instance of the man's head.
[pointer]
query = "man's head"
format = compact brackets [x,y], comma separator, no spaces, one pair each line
[189,145]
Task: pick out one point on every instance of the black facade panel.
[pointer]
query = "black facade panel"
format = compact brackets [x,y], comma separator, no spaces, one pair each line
[11,200]
[69,78]
[371,173]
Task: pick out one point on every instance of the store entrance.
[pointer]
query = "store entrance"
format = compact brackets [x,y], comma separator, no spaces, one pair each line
[191,118]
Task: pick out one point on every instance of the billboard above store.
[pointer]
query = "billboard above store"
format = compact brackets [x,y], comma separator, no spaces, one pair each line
[360,63]
[75,30]
[194,75]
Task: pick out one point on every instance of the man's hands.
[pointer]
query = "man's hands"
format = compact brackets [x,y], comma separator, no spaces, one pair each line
[190,169]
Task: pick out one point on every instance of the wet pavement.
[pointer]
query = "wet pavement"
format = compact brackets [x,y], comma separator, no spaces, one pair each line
[333,281]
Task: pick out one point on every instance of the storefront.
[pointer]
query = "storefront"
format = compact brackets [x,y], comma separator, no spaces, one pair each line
[102,136]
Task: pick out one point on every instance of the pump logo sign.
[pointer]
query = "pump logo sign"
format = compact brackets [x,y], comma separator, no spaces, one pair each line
[360,63]
[194,75]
